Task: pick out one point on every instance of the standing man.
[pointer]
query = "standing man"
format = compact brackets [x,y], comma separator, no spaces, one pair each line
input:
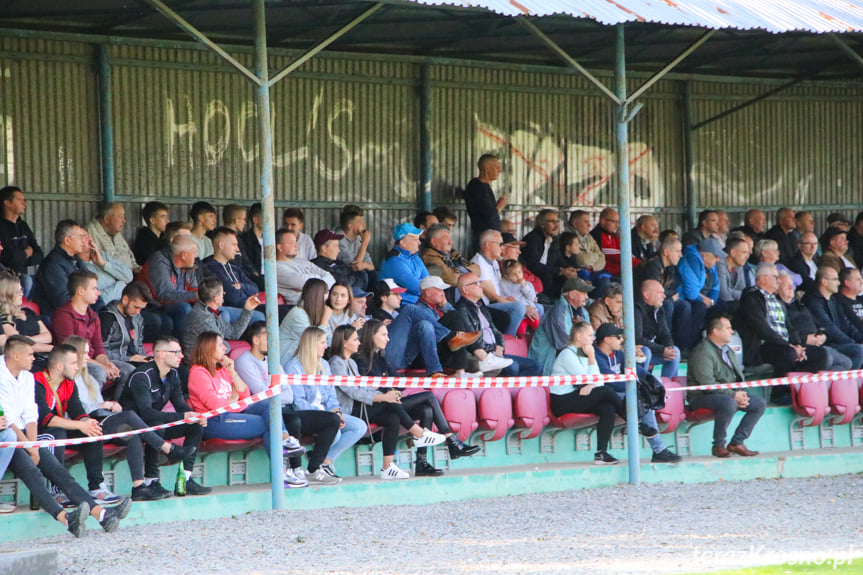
[20,248]
[712,362]
[482,207]
[106,230]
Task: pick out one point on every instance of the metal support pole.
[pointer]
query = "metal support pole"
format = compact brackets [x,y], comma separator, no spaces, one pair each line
[265,137]
[425,199]
[107,125]
[659,75]
[622,158]
[689,156]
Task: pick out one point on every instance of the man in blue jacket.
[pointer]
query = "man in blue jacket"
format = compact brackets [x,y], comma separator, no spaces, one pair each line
[699,286]
[221,265]
[403,264]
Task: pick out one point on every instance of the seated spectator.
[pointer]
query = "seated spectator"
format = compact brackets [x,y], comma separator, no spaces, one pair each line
[20,248]
[112,276]
[294,221]
[708,226]
[763,327]
[803,262]
[805,224]
[424,220]
[78,318]
[149,390]
[6,453]
[590,256]
[578,358]
[445,216]
[341,300]
[106,231]
[734,274]
[150,237]
[19,320]
[839,221]
[322,425]
[203,217]
[851,306]
[855,239]
[699,288]
[506,312]
[542,253]
[418,334]
[222,265]
[386,301]
[605,233]
[206,315]
[781,233]
[554,330]
[712,362]
[69,410]
[651,328]
[123,326]
[327,246]
[234,219]
[513,284]
[403,264]
[354,246]
[489,348]
[171,276]
[390,409]
[754,224]
[722,227]
[803,328]
[33,465]
[215,383]
[252,245]
[311,311]
[53,275]
[841,336]
[608,350]
[834,250]
[662,268]
[511,250]
[292,271]
[645,236]
[608,308]
[767,252]
[441,259]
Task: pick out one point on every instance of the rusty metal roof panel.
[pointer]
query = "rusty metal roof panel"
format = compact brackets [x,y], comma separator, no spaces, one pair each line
[818,16]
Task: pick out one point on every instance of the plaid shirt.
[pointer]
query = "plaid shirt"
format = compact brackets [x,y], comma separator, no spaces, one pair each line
[775,314]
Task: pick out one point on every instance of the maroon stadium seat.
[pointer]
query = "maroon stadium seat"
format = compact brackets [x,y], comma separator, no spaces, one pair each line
[531,413]
[674,411]
[494,412]
[844,401]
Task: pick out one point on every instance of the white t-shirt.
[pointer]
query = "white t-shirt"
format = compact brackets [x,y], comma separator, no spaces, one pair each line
[488,271]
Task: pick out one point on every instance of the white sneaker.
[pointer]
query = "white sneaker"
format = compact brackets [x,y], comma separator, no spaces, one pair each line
[322,477]
[493,362]
[393,472]
[103,496]
[471,374]
[428,439]
[295,478]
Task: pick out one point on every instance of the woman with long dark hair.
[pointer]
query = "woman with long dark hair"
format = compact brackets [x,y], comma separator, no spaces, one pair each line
[311,311]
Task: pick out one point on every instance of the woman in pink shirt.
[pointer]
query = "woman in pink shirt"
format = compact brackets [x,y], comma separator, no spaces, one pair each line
[214,383]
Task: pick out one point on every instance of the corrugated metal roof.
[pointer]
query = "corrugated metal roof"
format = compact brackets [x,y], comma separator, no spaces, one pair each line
[818,16]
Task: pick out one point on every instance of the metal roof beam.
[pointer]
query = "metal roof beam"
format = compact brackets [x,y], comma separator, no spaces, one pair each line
[568,59]
[670,66]
[201,37]
[847,49]
[751,101]
[329,40]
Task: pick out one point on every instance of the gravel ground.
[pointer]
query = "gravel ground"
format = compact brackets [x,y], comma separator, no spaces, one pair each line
[675,529]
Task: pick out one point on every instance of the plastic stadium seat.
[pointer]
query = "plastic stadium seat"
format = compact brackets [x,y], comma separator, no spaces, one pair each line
[494,412]
[531,413]
[514,346]
[844,401]
[810,401]
[695,416]
[674,411]
[32,306]
[569,420]
[148,349]
[220,445]
[238,348]
[280,299]
[459,408]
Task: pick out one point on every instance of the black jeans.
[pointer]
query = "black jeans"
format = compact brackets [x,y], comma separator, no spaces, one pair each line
[389,416]
[601,401]
[425,408]
[324,425]
[34,478]
[191,434]
[784,358]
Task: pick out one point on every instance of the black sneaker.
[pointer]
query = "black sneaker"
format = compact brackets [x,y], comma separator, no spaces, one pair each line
[76,520]
[603,458]
[458,448]
[195,488]
[647,431]
[179,453]
[665,456]
[123,507]
[111,521]
[330,470]
[157,488]
[423,468]
[146,492]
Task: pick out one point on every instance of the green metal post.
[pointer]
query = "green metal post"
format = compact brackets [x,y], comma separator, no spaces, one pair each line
[265,138]
[107,126]
[425,202]
[689,156]
[622,158]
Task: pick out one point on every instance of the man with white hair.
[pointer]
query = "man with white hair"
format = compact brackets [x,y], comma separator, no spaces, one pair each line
[170,273]
[106,230]
[507,312]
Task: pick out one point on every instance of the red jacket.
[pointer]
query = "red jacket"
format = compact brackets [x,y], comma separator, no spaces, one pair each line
[70,405]
[67,321]
[610,246]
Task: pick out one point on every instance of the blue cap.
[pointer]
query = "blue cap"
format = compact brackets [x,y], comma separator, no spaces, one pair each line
[406,229]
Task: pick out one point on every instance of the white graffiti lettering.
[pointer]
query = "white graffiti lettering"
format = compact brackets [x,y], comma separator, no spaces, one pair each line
[176,131]
[217,113]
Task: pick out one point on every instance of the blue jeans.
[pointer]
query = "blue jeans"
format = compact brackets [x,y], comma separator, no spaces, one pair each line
[852,351]
[513,310]
[178,313]
[688,322]
[353,430]
[230,314]
[521,366]
[252,422]
[649,418]
[670,367]
[421,341]
[6,453]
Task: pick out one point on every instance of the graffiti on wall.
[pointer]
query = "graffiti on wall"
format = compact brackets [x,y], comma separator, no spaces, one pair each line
[326,147]
[7,132]
[542,167]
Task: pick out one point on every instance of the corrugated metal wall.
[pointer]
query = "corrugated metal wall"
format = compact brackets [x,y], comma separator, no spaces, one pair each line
[347,130]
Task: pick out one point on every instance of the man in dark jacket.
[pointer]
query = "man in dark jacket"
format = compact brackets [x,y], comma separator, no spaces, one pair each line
[542,255]
[782,234]
[651,328]
[147,392]
[223,266]
[803,261]
[20,248]
[123,325]
[841,336]
[53,275]
[663,268]
[848,300]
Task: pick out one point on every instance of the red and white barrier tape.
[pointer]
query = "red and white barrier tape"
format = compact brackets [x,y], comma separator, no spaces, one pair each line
[237,406]
[808,378]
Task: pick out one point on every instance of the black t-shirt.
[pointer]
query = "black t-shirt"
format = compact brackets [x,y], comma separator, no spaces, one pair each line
[28,326]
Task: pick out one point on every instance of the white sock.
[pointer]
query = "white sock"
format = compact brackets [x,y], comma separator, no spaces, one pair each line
[149,480]
[102,515]
[188,474]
